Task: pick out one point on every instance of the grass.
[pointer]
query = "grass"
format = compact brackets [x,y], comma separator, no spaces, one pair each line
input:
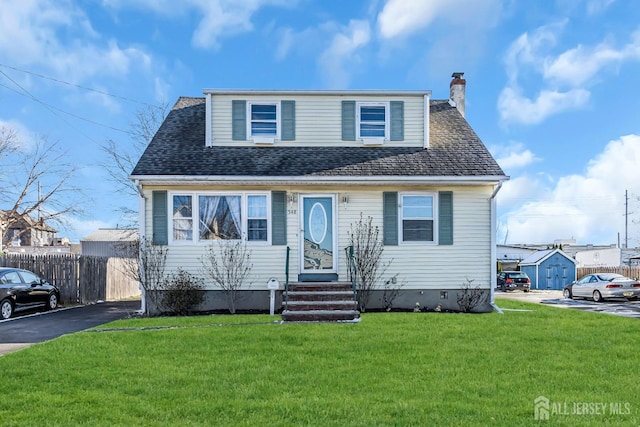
[390,369]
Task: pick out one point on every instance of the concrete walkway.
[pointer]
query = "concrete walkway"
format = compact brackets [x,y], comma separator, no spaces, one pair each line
[22,331]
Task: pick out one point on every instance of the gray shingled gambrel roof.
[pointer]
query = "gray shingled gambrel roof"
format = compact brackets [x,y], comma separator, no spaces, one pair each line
[178,149]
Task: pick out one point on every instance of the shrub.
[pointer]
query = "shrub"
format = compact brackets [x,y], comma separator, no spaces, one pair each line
[183,291]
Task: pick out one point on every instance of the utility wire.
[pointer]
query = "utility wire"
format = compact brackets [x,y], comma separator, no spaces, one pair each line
[53,79]
[51,108]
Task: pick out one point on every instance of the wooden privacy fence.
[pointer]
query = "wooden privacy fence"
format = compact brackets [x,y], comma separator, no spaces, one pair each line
[80,279]
[629,271]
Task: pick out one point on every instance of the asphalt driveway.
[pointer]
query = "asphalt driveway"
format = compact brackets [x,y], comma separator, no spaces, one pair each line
[22,331]
[616,306]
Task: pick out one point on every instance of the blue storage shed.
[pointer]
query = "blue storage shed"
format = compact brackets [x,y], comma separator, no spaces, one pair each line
[550,269]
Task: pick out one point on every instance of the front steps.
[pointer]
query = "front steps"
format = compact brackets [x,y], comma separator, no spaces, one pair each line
[320,302]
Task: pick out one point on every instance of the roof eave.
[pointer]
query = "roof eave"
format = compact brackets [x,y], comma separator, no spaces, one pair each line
[318,180]
[360,92]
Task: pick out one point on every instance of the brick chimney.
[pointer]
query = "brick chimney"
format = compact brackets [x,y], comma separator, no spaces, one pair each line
[457,90]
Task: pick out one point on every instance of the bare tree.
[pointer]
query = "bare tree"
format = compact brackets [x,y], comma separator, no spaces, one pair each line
[228,264]
[36,182]
[145,263]
[367,251]
[121,158]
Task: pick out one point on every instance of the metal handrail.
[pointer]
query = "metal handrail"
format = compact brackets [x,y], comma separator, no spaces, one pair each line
[286,275]
[353,270]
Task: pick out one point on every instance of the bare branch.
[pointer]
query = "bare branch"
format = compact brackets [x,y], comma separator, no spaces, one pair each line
[121,157]
[41,183]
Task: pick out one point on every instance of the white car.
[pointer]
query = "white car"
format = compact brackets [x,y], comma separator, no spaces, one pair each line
[603,285]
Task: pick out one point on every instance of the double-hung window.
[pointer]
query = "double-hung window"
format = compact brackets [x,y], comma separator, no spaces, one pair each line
[372,121]
[417,217]
[182,219]
[264,120]
[202,217]
[257,218]
[219,217]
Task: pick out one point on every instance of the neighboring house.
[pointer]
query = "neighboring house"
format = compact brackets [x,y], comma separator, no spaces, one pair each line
[549,269]
[282,169]
[510,256]
[25,231]
[109,242]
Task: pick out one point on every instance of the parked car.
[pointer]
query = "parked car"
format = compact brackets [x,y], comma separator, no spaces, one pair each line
[603,285]
[510,280]
[23,289]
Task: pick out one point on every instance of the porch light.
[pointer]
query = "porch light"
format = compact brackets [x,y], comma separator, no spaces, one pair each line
[345,200]
[292,200]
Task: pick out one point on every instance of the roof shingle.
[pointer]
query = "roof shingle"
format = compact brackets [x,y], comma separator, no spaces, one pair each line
[178,149]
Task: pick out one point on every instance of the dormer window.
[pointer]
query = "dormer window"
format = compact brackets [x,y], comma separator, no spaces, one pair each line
[372,121]
[264,121]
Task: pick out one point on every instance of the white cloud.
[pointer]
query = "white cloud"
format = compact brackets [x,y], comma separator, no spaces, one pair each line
[343,51]
[595,7]
[566,76]
[517,108]
[218,18]
[588,207]
[58,36]
[581,64]
[513,156]
[24,138]
[400,18]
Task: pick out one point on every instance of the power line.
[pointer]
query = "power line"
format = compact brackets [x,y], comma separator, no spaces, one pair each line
[33,98]
[53,79]
[51,108]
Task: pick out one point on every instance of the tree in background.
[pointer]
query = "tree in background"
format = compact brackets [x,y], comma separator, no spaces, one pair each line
[36,181]
[122,158]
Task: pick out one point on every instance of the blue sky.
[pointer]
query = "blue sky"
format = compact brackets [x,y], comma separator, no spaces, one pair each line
[553,87]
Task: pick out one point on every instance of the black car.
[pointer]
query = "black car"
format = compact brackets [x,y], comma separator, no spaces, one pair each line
[24,289]
[511,280]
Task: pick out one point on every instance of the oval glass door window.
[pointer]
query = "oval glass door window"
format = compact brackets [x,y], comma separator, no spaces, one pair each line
[317,223]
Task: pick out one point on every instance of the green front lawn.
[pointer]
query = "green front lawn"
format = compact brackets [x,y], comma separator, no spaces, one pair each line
[389,369]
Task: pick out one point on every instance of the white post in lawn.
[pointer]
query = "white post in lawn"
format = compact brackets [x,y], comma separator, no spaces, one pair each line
[273,285]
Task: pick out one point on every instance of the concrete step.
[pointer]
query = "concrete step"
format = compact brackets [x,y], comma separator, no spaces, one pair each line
[320,305]
[320,295]
[319,286]
[320,315]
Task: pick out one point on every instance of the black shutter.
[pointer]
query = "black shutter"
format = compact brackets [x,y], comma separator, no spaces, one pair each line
[445,217]
[160,232]
[239,120]
[278,218]
[390,218]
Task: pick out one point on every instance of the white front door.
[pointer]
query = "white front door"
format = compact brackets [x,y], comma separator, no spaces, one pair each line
[318,238]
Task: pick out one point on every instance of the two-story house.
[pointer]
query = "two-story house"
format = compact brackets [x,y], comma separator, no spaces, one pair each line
[290,171]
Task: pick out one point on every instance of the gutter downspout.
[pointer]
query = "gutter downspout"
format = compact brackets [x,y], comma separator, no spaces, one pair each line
[141,232]
[494,267]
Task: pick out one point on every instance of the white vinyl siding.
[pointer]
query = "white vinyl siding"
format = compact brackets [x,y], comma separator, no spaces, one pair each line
[422,266]
[318,120]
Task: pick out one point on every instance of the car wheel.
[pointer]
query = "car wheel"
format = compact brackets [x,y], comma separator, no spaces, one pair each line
[6,309]
[597,296]
[52,302]
[566,293]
